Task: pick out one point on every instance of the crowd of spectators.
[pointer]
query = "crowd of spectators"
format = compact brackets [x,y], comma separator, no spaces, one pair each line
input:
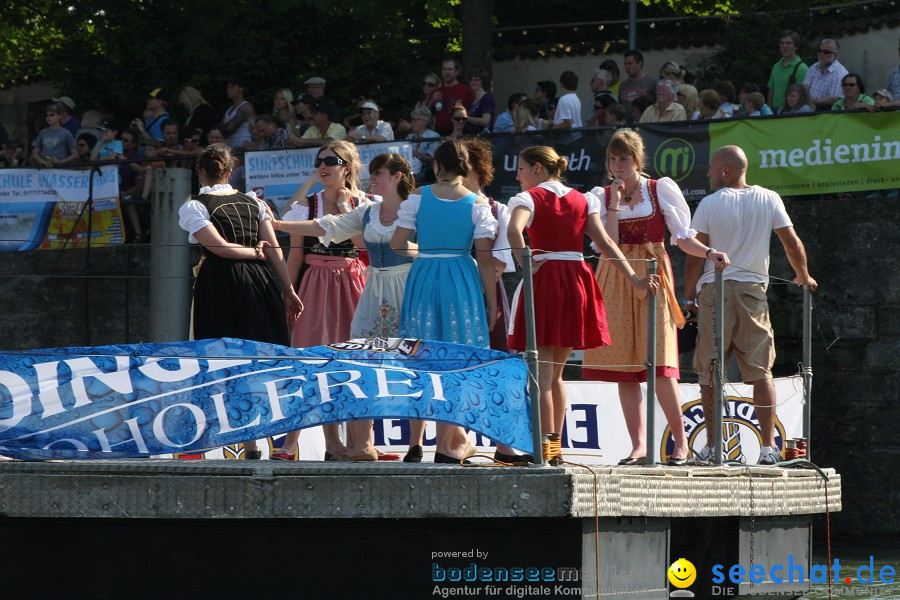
[450,105]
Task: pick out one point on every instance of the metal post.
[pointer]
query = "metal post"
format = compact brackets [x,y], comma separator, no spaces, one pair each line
[632,25]
[807,368]
[170,291]
[651,370]
[531,357]
[719,379]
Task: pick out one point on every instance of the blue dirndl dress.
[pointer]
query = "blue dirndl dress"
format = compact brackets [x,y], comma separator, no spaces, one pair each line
[444,299]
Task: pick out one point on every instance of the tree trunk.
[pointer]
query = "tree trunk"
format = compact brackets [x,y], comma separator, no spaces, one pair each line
[476,35]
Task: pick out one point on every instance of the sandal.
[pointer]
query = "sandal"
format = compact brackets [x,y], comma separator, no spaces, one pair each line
[282,454]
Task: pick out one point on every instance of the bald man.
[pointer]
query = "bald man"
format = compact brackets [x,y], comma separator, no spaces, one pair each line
[739,219]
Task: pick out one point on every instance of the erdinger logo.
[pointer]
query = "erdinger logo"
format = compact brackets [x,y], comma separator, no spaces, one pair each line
[404,346]
[741,435]
[674,158]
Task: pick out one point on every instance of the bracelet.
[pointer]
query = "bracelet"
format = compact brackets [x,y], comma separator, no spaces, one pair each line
[343,204]
[690,302]
[612,210]
[708,250]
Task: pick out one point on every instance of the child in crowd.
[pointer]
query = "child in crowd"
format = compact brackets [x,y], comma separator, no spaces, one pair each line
[54,145]
[108,147]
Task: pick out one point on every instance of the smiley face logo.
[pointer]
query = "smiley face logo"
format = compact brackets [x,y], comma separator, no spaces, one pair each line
[682,573]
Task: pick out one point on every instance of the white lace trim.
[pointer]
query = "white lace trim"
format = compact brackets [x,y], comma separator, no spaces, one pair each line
[220,189]
[375,223]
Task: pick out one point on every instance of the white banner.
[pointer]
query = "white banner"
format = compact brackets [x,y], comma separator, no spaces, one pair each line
[595,428]
[275,175]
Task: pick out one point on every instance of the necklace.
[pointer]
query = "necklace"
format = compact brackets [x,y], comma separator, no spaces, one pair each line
[627,195]
[385,222]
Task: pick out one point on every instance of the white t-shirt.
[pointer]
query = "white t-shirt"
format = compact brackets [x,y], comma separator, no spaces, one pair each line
[382,128]
[740,222]
[568,107]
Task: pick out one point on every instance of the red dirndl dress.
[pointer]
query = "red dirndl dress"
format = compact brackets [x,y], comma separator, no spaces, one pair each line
[568,309]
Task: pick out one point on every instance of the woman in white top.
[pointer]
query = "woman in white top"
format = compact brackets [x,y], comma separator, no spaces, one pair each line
[333,276]
[234,294]
[378,310]
[447,298]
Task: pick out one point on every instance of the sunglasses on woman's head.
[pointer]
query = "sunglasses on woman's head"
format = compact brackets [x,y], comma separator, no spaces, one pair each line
[329,161]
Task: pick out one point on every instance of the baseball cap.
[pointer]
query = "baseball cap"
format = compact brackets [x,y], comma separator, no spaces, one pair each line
[884,93]
[156,93]
[315,81]
[70,104]
[305,99]
[368,104]
[108,124]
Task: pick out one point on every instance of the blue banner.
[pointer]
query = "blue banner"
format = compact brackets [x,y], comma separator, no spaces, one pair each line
[146,399]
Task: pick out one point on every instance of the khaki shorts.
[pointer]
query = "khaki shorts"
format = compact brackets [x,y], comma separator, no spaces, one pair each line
[747,331]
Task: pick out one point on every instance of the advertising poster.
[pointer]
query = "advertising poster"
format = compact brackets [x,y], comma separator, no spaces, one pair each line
[46,208]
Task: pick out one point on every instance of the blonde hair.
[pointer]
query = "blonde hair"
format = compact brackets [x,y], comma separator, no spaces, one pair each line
[546,156]
[190,97]
[672,68]
[346,152]
[90,119]
[288,97]
[691,98]
[626,142]
[522,118]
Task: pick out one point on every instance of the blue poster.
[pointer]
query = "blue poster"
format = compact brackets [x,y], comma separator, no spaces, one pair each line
[145,399]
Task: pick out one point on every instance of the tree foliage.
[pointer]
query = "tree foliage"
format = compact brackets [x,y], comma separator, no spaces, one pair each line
[111,54]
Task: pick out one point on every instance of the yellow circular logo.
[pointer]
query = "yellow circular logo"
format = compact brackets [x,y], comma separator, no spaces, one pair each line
[682,573]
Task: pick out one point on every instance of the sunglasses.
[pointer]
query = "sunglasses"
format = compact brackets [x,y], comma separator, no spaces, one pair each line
[329,161]
[429,84]
[848,84]
[460,118]
[827,52]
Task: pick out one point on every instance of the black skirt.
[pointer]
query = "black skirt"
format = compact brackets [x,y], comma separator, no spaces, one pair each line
[239,299]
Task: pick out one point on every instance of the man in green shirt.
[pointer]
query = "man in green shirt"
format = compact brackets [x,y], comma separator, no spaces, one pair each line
[787,71]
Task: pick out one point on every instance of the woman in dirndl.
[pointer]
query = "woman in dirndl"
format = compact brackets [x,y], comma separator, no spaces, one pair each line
[234,293]
[378,310]
[568,305]
[333,276]
[636,212]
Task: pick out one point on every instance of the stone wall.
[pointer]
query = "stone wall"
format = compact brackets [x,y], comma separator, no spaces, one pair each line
[856,333]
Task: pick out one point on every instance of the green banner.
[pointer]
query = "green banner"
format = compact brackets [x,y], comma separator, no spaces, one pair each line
[818,154]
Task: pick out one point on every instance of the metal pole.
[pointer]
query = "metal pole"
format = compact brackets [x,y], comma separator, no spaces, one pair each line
[531,358]
[170,290]
[719,380]
[651,370]
[807,368]
[632,25]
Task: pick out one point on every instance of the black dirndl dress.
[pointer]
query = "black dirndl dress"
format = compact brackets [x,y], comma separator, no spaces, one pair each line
[237,298]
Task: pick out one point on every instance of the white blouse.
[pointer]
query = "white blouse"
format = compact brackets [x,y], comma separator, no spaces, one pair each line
[525,200]
[502,251]
[298,212]
[674,208]
[193,216]
[484,221]
[339,228]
